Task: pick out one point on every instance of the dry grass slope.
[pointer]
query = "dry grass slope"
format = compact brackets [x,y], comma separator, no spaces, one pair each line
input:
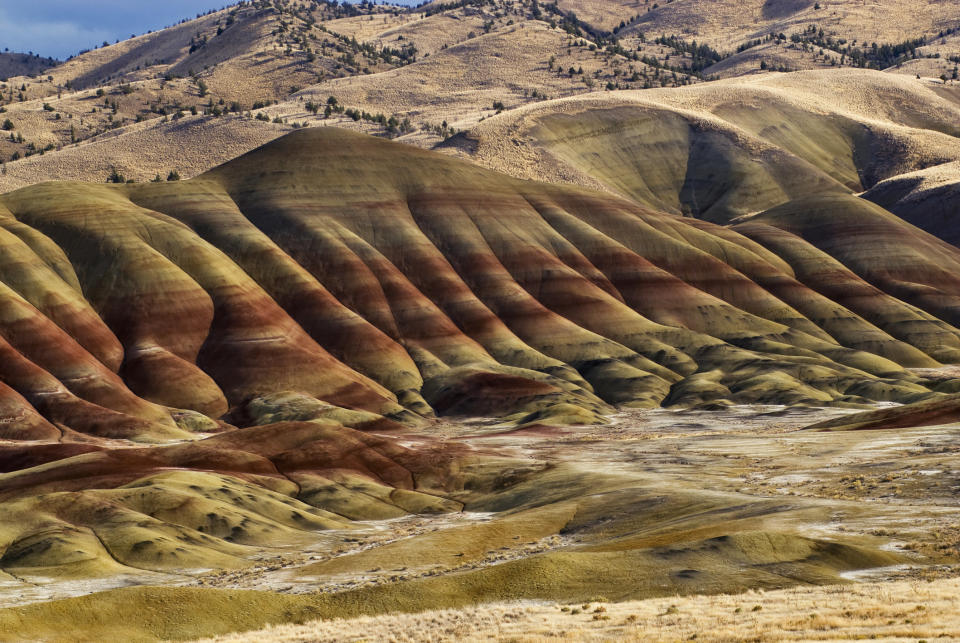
[20,64]
[897,612]
[764,133]
[394,62]
[729,23]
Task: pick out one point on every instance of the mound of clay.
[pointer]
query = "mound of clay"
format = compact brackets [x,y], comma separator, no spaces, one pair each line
[335,276]
[944,410]
[77,510]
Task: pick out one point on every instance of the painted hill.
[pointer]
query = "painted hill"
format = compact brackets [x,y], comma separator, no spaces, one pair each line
[945,410]
[217,379]
[332,268]
[101,512]
[426,373]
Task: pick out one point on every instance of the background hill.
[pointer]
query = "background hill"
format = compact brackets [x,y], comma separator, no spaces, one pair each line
[420,74]
[729,148]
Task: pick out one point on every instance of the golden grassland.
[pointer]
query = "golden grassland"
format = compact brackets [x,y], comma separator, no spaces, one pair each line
[727,24]
[909,119]
[897,611]
[190,146]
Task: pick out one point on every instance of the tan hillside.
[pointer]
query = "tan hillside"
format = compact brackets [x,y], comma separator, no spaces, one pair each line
[928,198]
[460,84]
[271,39]
[142,151]
[909,134]
[729,23]
[227,61]
[429,33]
[790,129]
[254,55]
[605,15]
[442,63]
[471,70]
[940,58]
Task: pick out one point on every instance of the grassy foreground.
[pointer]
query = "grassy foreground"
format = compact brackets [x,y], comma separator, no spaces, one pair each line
[891,611]
[887,611]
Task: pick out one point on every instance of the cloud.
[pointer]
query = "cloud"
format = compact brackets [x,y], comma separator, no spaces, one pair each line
[61,28]
[55,39]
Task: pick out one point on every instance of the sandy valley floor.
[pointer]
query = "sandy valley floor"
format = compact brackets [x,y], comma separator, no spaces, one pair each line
[907,479]
[831,535]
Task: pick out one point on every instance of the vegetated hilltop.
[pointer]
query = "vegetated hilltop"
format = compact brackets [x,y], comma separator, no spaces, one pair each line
[232,64]
[423,102]
[913,37]
[418,73]
[226,62]
[728,24]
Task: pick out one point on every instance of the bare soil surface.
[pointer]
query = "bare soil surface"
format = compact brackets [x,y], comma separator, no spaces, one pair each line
[896,489]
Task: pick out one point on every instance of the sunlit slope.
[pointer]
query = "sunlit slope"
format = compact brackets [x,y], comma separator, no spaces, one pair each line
[865,253]
[338,268]
[733,147]
[728,23]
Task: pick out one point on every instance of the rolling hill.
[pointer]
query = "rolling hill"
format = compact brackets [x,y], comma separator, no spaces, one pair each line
[728,24]
[927,198]
[382,278]
[421,74]
[726,150]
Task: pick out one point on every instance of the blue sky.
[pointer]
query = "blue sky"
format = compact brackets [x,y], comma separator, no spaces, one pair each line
[61,28]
